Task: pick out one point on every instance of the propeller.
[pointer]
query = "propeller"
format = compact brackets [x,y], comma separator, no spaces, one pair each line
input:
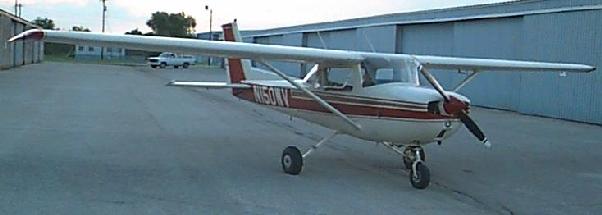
[454,106]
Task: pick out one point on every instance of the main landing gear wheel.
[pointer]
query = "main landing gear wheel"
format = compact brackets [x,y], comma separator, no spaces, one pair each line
[420,176]
[292,160]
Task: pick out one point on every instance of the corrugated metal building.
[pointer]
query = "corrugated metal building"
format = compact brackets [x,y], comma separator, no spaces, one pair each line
[19,53]
[542,30]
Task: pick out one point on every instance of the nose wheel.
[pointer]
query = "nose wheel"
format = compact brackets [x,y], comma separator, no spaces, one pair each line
[414,160]
[420,177]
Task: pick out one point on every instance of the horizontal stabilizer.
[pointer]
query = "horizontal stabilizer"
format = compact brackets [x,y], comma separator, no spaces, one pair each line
[208,85]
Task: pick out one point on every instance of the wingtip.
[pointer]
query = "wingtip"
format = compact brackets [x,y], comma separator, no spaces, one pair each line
[33,34]
[171,83]
[592,69]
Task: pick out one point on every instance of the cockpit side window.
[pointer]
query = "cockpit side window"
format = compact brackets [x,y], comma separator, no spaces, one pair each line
[388,73]
[331,79]
[385,75]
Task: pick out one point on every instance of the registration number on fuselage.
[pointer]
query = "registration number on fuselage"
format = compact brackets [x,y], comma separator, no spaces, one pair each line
[274,96]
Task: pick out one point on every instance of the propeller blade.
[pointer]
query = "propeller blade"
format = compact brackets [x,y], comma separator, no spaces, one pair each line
[431,79]
[472,126]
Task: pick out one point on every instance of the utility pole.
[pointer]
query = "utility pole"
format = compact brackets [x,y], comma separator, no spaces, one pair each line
[210,27]
[17,8]
[20,6]
[104,15]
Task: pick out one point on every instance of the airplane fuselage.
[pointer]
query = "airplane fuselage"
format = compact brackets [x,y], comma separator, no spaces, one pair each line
[401,117]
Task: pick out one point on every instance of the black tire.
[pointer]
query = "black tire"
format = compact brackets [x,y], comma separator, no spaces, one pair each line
[153,66]
[423,178]
[292,160]
[163,65]
[186,65]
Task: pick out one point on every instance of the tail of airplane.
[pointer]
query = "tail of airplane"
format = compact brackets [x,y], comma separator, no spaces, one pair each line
[237,68]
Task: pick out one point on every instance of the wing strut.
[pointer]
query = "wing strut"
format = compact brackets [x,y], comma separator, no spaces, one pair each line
[312,95]
[466,80]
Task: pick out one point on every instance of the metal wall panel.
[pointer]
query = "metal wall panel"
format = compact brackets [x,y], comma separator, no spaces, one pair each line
[293,39]
[18,51]
[492,38]
[8,51]
[313,40]
[520,7]
[293,69]
[343,40]
[379,39]
[5,32]
[41,56]
[559,37]
[27,52]
[564,37]
[431,39]
[36,52]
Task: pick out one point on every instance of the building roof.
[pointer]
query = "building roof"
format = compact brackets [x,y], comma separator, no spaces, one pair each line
[481,11]
[17,19]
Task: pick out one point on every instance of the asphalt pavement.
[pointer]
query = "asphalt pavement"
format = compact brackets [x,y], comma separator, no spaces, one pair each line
[99,139]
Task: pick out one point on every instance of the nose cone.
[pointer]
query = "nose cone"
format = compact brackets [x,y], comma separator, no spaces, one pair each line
[458,96]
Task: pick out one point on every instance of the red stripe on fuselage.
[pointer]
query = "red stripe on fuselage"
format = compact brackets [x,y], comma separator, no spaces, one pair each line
[359,109]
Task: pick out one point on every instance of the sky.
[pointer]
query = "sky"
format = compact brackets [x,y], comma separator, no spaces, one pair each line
[126,15]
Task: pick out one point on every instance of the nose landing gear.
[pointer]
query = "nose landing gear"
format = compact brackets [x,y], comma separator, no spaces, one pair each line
[414,159]
[420,177]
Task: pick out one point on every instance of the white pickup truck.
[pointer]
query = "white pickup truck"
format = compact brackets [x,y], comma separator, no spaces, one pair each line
[170,59]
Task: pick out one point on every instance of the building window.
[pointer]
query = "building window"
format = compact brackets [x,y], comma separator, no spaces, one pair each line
[91,49]
[119,50]
[80,48]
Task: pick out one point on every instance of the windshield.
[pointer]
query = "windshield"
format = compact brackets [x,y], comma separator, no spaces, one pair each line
[405,72]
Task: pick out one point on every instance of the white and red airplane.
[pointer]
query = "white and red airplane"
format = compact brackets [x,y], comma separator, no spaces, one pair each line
[371,96]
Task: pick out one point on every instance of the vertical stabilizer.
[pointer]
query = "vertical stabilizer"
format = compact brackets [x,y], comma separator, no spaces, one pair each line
[237,68]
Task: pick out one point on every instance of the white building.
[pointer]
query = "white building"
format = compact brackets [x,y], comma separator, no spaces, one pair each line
[92,52]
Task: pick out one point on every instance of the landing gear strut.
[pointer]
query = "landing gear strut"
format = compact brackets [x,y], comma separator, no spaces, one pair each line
[414,160]
[292,159]
[420,176]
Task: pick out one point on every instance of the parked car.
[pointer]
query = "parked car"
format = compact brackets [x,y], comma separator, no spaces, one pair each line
[166,59]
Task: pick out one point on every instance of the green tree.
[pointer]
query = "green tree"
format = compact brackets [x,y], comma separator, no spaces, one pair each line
[80,28]
[134,32]
[44,23]
[171,24]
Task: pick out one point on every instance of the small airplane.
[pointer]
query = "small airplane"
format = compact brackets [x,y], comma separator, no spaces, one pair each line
[372,96]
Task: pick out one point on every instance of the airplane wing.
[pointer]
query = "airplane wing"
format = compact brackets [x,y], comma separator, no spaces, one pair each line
[262,52]
[199,47]
[475,64]
[208,85]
